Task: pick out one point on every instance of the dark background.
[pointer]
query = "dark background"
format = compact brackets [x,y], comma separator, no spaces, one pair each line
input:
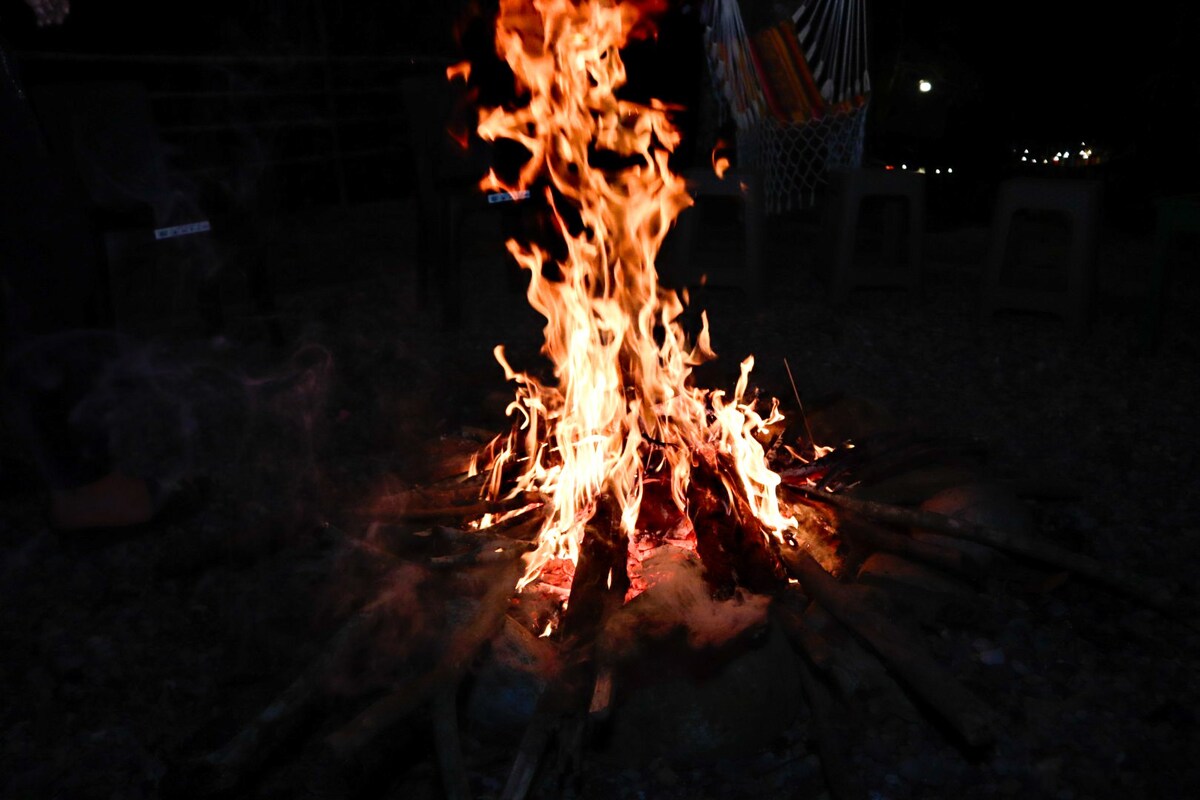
[1007,77]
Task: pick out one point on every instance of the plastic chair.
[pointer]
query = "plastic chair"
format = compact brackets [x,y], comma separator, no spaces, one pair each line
[448,190]
[154,236]
[742,187]
[1062,283]
[902,197]
[1176,215]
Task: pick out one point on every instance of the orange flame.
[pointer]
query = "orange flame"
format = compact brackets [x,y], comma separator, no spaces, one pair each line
[720,162]
[622,406]
[461,71]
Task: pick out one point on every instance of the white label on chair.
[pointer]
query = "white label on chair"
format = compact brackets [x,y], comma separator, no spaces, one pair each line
[182,230]
[506,197]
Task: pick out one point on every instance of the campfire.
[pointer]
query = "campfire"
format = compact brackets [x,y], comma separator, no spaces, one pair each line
[620,478]
[621,453]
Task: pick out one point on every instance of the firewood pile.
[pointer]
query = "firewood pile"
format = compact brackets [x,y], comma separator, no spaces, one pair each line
[887,554]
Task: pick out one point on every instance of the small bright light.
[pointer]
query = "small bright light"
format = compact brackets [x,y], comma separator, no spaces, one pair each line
[1024,158]
[1082,154]
[1026,151]
[937,171]
[1044,161]
[1056,159]
[949,170]
[920,170]
[924,85]
[904,166]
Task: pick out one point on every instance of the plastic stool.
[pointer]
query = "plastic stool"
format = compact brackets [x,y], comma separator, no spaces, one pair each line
[741,185]
[850,189]
[1175,215]
[1079,202]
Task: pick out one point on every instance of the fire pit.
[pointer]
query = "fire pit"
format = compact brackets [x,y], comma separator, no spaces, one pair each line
[629,515]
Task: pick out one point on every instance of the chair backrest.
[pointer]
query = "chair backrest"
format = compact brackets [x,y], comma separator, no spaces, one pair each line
[431,105]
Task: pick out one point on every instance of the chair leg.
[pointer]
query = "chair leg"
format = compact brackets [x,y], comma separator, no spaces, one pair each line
[754,246]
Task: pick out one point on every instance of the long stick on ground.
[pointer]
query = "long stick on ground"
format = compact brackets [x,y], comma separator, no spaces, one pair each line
[448,745]
[1152,593]
[445,672]
[227,766]
[965,713]
[839,774]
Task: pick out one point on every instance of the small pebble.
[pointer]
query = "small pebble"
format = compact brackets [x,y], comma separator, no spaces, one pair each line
[993,657]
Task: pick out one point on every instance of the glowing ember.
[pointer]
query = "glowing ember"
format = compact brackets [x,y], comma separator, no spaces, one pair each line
[622,419]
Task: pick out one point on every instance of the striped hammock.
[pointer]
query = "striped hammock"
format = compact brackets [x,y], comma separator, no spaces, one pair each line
[791,71]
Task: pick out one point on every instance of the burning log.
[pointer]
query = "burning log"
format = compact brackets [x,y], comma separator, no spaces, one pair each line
[1152,593]
[597,590]
[735,548]
[965,713]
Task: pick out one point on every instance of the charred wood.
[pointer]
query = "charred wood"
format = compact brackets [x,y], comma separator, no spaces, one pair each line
[866,535]
[597,590]
[443,672]
[832,747]
[448,745]
[970,719]
[1152,593]
[224,769]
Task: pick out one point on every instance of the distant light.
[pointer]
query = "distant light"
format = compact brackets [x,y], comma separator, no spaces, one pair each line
[920,170]
[949,170]
[1044,161]
[904,166]
[1026,151]
[937,171]
[924,85]
[1025,158]
[889,167]
[1056,159]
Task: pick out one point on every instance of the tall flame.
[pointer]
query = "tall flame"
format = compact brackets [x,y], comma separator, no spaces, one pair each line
[622,406]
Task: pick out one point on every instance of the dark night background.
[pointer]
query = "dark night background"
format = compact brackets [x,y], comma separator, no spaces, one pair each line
[318,349]
[1014,75]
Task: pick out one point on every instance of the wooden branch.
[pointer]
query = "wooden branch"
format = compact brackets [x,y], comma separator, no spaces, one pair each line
[838,655]
[1155,594]
[458,499]
[735,547]
[602,694]
[965,713]
[812,645]
[875,537]
[529,756]
[597,590]
[489,553]
[443,545]
[448,746]
[447,670]
[840,775]
[224,769]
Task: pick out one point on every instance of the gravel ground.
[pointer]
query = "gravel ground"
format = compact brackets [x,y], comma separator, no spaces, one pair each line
[128,656]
